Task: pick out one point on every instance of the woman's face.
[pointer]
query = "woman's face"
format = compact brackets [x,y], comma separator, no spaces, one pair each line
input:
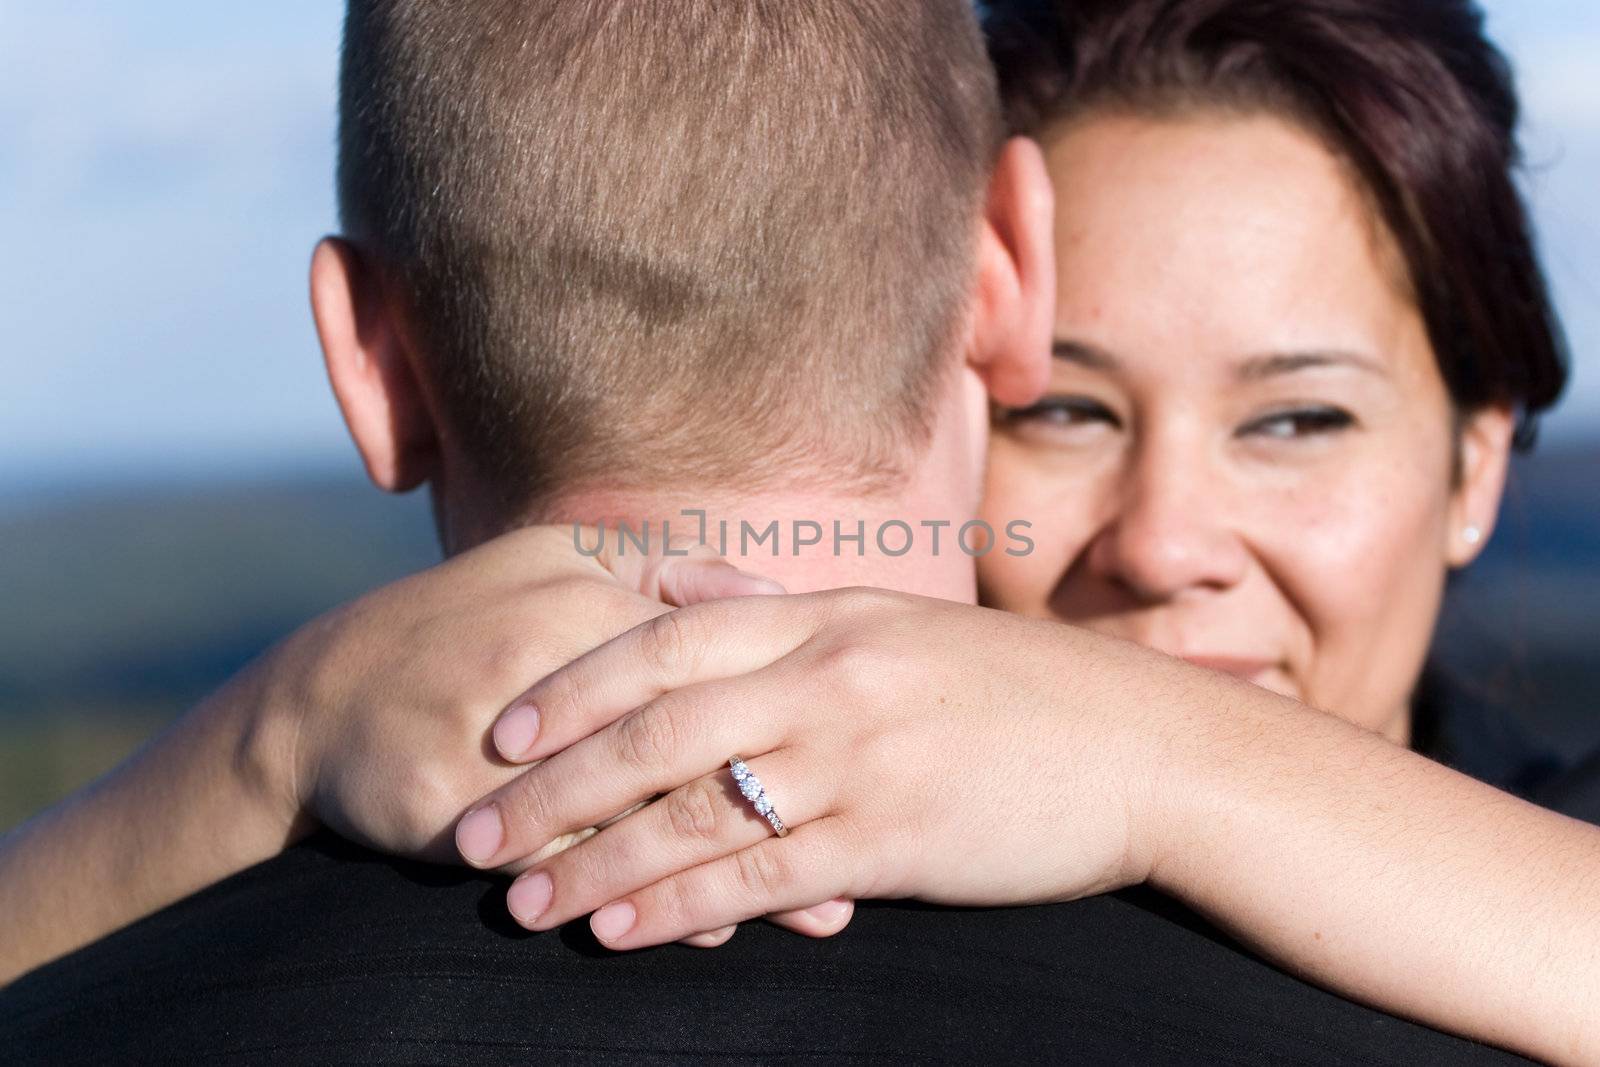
[1245,455]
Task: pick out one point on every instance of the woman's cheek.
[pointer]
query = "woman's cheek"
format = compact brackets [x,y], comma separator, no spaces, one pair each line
[1053,504]
[1020,584]
[1363,567]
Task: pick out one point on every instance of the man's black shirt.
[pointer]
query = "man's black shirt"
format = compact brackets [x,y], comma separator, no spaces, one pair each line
[330,953]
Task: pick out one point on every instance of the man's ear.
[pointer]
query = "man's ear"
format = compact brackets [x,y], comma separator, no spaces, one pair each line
[1014,306]
[373,379]
[1483,458]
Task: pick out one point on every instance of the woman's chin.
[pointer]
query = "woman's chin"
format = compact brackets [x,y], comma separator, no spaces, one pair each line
[1267,674]
[1277,680]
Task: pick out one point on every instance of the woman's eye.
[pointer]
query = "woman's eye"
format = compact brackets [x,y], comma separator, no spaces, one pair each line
[1299,422]
[1061,411]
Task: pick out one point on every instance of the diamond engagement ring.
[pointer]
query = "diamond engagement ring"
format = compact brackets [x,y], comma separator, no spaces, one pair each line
[750,786]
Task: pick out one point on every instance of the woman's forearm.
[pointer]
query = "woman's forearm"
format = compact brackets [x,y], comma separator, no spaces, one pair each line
[1391,879]
[194,805]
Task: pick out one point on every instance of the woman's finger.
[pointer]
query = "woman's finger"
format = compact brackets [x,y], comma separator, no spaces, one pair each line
[674,739]
[707,819]
[719,639]
[819,920]
[814,862]
[699,574]
[711,939]
[822,920]
[680,571]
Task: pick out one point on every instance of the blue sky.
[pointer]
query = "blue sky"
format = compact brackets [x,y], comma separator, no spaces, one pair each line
[165,168]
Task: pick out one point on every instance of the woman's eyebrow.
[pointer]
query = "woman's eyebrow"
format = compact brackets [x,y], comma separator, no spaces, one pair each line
[1279,363]
[1083,354]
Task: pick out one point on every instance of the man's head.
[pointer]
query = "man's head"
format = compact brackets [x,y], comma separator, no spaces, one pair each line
[631,244]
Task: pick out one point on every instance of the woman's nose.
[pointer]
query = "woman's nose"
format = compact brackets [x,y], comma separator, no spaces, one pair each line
[1173,531]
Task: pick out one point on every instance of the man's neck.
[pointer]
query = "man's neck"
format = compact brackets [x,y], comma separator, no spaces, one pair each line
[911,542]
[920,537]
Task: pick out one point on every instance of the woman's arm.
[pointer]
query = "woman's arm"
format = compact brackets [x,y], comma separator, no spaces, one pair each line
[1389,878]
[920,748]
[191,807]
[371,719]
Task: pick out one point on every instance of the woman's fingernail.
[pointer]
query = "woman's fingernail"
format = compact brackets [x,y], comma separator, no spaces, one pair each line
[479,834]
[829,911]
[516,731]
[529,896]
[712,938]
[613,920]
[763,586]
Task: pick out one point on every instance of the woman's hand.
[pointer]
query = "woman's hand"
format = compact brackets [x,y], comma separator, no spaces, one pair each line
[387,702]
[374,718]
[914,747]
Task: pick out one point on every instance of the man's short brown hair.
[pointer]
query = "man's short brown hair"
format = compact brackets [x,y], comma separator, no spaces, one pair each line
[647,241]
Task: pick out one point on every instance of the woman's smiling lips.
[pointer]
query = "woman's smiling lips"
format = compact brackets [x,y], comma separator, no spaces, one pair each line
[1251,670]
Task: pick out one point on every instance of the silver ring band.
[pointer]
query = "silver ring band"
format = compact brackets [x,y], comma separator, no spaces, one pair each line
[750,786]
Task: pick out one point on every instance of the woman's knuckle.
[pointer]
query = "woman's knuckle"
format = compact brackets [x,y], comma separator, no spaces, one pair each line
[695,811]
[872,598]
[760,872]
[612,611]
[502,655]
[571,589]
[664,643]
[560,709]
[674,902]
[646,738]
[426,799]
[856,667]
[523,809]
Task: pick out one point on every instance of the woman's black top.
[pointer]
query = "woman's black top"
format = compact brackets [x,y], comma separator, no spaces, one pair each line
[1481,737]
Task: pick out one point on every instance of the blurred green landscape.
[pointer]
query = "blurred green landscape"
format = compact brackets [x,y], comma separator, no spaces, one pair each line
[120,608]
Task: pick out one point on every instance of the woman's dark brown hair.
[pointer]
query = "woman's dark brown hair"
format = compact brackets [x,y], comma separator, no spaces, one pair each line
[1410,92]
